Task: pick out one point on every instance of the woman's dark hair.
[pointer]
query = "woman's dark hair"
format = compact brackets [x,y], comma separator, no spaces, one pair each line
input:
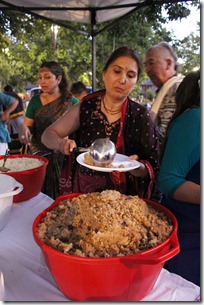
[8,88]
[125,51]
[57,70]
[188,93]
[77,87]
[187,96]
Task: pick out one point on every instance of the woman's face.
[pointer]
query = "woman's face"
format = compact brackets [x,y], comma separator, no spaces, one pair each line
[48,81]
[121,77]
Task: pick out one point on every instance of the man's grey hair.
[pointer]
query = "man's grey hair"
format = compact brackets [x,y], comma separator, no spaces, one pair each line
[167,46]
[170,49]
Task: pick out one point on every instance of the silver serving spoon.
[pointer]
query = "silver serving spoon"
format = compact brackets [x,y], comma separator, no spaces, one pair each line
[102,151]
[3,168]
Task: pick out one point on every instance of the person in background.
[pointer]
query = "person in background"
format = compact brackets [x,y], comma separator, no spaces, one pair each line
[161,67]
[16,119]
[7,105]
[111,114]
[78,89]
[179,177]
[44,109]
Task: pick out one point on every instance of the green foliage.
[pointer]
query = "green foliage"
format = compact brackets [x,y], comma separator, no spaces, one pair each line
[26,41]
[190,53]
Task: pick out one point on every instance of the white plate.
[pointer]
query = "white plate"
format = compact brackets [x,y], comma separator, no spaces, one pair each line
[118,160]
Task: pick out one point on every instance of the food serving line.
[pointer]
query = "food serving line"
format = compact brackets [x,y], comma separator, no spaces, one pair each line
[24,275]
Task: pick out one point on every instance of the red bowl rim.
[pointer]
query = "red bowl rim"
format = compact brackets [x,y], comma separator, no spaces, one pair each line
[43,246]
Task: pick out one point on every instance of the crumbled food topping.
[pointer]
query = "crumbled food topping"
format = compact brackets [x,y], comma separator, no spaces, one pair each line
[104,224]
[89,161]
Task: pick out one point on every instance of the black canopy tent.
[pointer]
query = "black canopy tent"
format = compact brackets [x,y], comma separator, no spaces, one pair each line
[91,12]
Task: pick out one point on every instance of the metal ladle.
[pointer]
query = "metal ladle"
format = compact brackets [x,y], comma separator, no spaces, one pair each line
[3,168]
[102,151]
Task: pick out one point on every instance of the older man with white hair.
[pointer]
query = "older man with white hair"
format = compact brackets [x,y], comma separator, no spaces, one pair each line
[161,67]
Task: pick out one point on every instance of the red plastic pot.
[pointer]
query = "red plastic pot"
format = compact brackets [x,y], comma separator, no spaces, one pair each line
[126,278]
[31,179]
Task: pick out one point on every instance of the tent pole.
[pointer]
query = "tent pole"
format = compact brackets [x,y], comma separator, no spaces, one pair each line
[93,63]
[93,36]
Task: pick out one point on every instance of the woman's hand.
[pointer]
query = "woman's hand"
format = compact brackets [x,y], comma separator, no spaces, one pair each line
[134,157]
[5,117]
[66,146]
[24,134]
[141,171]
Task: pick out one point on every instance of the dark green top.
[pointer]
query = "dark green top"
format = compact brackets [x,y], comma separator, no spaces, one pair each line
[35,103]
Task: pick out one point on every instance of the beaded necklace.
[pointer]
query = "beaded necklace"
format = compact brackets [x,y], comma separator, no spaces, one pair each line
[109,111]
[108,127]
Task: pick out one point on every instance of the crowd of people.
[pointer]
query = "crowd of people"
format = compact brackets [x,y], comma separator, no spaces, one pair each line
[165,140]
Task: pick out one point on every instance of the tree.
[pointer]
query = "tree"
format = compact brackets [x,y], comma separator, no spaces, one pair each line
[189,52]
[26,41]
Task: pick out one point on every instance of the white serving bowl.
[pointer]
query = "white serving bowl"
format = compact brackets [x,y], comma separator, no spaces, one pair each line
[7,184]
[8,188]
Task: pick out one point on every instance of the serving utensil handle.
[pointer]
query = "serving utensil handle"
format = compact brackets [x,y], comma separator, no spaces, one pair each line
[5,157]
[80,149]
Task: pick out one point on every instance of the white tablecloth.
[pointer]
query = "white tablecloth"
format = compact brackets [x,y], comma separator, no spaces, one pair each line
[24,275]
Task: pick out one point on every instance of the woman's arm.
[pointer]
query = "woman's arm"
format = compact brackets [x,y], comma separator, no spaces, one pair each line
[141,171]
[24,131]
[188,192]
[54,136]
[5,115]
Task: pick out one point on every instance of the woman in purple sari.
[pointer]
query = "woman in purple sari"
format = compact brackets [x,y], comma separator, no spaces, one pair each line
[109,113]
[44,109]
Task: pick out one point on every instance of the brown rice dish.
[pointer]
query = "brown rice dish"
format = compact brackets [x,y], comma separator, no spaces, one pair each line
[103,224]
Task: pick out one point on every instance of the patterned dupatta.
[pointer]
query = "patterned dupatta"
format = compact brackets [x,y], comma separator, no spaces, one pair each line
[119,178]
